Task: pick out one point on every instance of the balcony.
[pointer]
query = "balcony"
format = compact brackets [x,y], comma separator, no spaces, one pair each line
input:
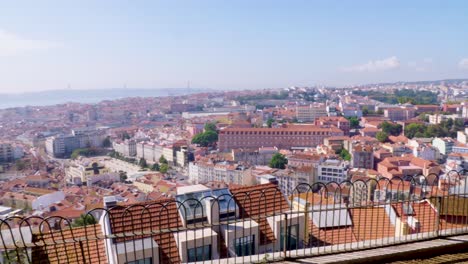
[322,223]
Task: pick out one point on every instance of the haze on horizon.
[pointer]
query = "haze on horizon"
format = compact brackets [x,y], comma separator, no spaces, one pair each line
[49,45]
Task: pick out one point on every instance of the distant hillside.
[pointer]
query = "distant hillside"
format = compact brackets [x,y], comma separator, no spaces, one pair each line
[436,82]
[52,97]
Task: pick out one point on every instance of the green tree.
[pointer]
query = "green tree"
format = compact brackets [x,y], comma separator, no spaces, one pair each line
[278,161]
[270,122]
[391,129]
[412,129]
[155,167]
[164,168]
[205,139]
[107,142]
[210,127]
[84,220]
[142,163]
[125,135]
[123,176]
[344,154]
[365,111]
[353,122]
[162,160]
[381,136]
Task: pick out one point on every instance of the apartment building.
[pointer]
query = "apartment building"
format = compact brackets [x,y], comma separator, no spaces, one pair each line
[332,170]
[61,146]
[6,152]
[362,156]
[401,167]
[309,113]
[290,136]
[294,181]
[338,121]
[438,118]
[88,172]
[399,113]
[260,156]
[126,148]
[204,171]
[444,145]
[462,136]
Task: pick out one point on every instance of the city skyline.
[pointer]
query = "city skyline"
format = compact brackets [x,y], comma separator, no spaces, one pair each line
[91,45]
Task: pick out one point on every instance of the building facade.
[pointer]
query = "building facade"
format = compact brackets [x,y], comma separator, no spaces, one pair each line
[293,136]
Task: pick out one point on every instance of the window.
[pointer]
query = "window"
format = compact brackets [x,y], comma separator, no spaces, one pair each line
[291,237]
[141,261]
[245,246]
[199,253]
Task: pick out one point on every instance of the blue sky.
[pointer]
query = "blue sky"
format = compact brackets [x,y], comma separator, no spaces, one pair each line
[228,44]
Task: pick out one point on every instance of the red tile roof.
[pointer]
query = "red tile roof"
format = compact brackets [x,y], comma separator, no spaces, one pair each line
[258,202]
[64,246]
[149,216]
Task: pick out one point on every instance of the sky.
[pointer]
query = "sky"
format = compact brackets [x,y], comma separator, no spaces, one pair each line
[90,44]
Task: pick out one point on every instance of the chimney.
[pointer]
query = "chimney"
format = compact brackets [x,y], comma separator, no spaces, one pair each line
[401,228]
[109,202]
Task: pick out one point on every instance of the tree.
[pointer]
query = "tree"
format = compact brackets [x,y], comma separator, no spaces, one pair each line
[164,168]
[365,111]
[391,129]
[278,161]
[206,138]
[381,136]
[412,129]
[107,142]
[142,163]
[344,154]
[84,220]
[270,122]
[155,167]
[125,135]
[353,122]
[210,127]
[162,160]
[20,165]
[123,176]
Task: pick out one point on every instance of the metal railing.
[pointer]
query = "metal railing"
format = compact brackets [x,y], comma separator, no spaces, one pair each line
[249,225]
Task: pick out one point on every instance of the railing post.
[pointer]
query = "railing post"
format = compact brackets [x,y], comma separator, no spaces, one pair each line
[286,236]
[439,212]
[82,252]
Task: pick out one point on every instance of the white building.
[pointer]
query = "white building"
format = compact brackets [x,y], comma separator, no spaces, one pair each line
[203,172]
[310,112]
[444,145]
[126,148]
[83,171]
[332,170]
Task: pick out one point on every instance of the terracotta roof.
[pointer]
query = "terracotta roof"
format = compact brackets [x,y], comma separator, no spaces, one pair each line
[63,246]
[371,223]
[258,202]
[423,212]
[288,128]
[149,216]
[331,235]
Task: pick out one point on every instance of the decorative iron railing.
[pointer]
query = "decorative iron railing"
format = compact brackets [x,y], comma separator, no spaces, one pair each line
[251,225]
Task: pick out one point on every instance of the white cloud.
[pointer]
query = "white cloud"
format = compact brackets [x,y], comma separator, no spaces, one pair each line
[375,65]
[11,44]
[424,65]
[463,64]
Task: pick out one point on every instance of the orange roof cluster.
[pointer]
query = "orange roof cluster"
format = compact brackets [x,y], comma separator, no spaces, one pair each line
[64,246]
[149,216]
[258,202]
